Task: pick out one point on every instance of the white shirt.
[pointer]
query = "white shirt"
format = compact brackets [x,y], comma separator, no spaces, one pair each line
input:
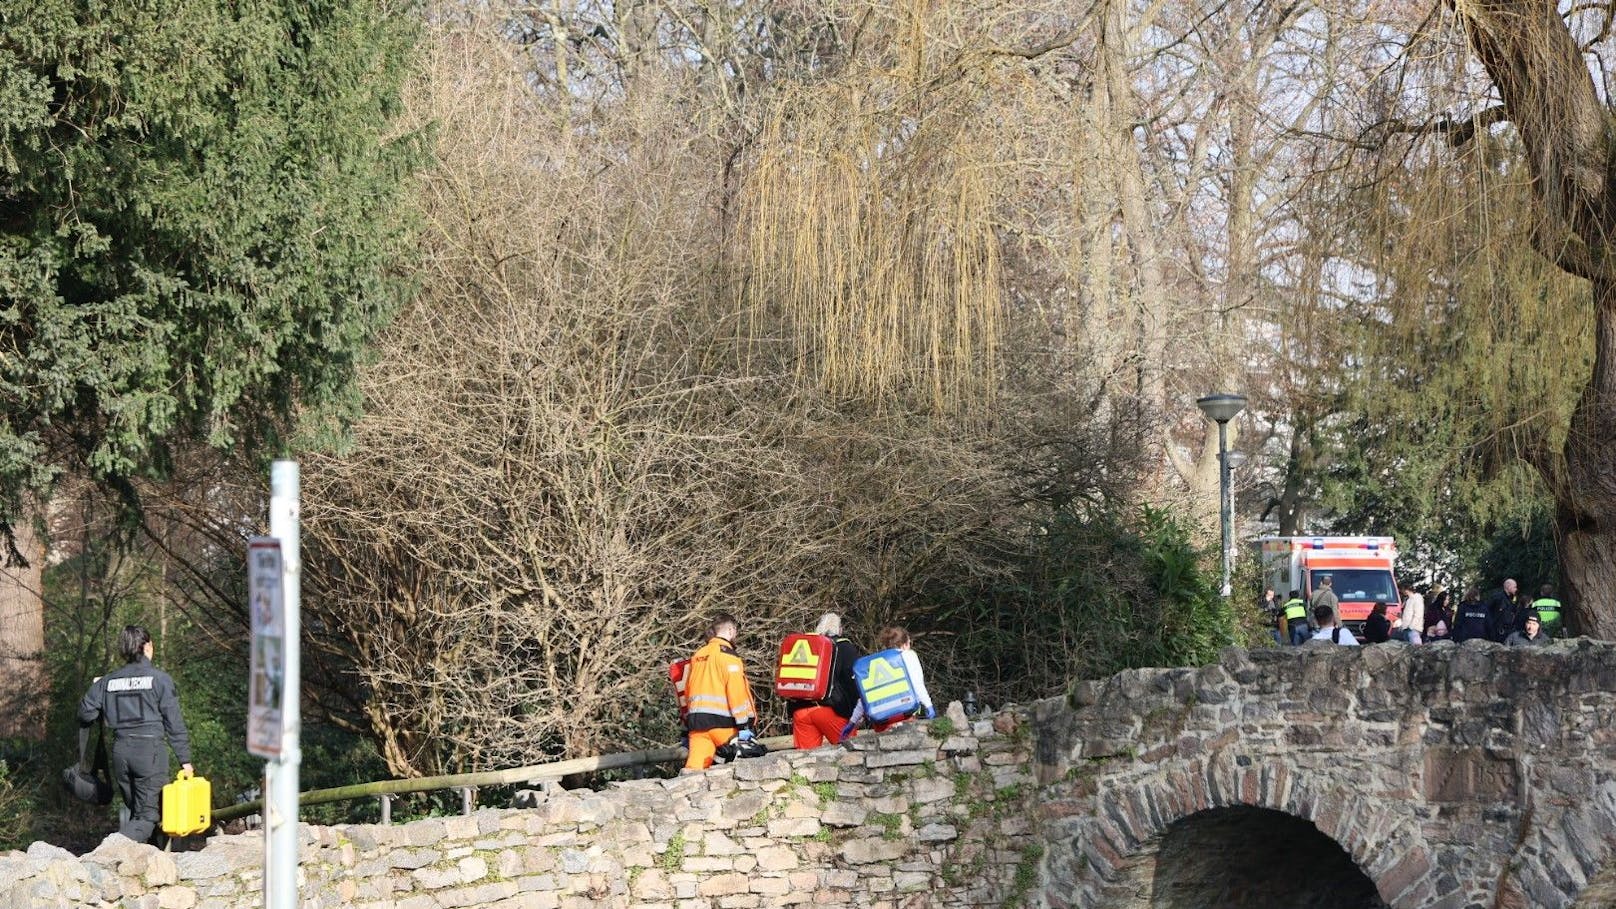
[1347,640]
[917,678]
[1413,613]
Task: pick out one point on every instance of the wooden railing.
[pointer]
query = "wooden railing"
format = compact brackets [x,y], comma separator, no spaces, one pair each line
[536,773]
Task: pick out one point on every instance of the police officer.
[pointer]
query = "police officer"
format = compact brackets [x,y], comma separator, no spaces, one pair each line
[141,707]
[1472,619]
[1296,618]
[1548,611]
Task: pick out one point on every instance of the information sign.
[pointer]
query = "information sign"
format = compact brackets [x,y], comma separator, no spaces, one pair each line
[266,682]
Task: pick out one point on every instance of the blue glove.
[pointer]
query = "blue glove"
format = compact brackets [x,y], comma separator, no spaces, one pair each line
[931,712]
[745,735]
[848,729]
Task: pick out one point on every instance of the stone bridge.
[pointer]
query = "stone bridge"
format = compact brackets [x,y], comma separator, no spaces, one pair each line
[1442,776]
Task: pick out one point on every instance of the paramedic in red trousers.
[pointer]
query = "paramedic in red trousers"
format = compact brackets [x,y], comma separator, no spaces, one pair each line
[814,723]
[141,707]
[721,705]
[897,638]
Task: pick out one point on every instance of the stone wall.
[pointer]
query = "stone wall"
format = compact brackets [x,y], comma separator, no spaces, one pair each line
[1453,776]
[928,814]
[1437,777]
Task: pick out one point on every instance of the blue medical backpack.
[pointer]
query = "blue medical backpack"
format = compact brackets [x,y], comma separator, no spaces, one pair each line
[884,686]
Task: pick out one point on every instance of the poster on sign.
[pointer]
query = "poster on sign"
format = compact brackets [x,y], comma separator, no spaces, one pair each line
[266,605]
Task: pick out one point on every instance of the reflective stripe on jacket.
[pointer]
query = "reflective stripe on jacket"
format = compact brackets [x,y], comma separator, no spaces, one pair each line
[719,694]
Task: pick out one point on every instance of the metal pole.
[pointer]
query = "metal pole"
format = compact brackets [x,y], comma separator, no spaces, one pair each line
[1225,507]
[281,782]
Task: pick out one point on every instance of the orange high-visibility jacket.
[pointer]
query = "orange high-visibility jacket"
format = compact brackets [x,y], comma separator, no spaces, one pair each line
[719,694]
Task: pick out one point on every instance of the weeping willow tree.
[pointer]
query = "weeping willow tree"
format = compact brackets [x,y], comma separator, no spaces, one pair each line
[870,212]
[1542,331]
[1461,350]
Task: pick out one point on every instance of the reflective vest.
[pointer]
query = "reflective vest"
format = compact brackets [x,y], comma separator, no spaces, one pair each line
[1548,611]
[716,689]
[884,686]
[1296,610]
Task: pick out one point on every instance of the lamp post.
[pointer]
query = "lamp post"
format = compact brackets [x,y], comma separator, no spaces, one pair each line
[1221,408]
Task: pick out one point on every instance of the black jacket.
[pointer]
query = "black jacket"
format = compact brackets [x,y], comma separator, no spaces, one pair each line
[138,699]
[1470,622]
[1377,629]
[1504,616]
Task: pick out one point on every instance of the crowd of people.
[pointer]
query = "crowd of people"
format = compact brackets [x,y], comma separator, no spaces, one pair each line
[721,715]
[1507,617]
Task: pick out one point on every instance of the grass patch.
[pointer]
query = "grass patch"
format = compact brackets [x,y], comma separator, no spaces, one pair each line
[941,728]
[826,793]
[673,858]
[1026,877]
[891,824]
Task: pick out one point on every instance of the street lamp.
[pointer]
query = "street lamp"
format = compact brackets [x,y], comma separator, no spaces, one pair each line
[1220,409]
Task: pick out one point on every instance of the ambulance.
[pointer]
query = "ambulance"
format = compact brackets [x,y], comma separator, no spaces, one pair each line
[1361,569]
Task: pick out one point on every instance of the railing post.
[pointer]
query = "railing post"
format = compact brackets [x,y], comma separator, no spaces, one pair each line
[387,808]
[468,798]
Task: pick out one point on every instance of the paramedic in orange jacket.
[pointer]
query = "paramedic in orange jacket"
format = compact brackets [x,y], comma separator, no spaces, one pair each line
[721,706]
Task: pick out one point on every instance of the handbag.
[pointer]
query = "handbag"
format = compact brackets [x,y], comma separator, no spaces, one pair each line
[85,782]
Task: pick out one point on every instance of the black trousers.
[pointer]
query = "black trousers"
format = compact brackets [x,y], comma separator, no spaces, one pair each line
[140,768]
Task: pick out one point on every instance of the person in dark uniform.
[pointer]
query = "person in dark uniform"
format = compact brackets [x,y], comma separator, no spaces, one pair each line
[141,707]
[1471,620]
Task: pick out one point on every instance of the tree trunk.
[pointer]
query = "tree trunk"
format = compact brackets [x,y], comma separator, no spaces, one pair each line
[22,638]
[1585,500]
[1139,224]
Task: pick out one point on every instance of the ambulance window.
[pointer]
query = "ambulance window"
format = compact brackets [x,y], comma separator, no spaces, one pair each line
[1359,585]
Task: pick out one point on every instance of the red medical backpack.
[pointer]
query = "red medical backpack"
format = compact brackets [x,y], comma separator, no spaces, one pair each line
[803,671]
[679,675]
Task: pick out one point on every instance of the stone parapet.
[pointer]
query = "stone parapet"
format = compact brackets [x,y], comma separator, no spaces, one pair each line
[927,814]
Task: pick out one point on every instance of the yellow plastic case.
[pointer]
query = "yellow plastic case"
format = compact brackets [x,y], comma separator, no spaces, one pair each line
[187,805]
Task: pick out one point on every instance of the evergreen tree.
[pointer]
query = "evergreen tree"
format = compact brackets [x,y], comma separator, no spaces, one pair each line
[199,205]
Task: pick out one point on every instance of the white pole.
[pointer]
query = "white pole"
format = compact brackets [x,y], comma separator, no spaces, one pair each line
[280,775]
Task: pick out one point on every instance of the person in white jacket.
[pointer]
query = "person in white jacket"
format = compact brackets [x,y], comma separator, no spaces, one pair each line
[895,637]
[1412,620]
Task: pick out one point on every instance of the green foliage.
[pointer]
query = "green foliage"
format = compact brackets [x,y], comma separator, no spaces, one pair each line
[940,728]
[1457,385]
[16,810]
[1026,877]
[199,216]
[673,858]
[1092,593]
[891,824]
[1522,548]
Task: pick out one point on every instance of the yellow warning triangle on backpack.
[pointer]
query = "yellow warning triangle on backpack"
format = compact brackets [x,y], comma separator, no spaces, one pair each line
[881,672]
[801,655]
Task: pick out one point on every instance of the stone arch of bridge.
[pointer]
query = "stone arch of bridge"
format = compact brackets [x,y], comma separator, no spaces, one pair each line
[1244,856]
[1119,844]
